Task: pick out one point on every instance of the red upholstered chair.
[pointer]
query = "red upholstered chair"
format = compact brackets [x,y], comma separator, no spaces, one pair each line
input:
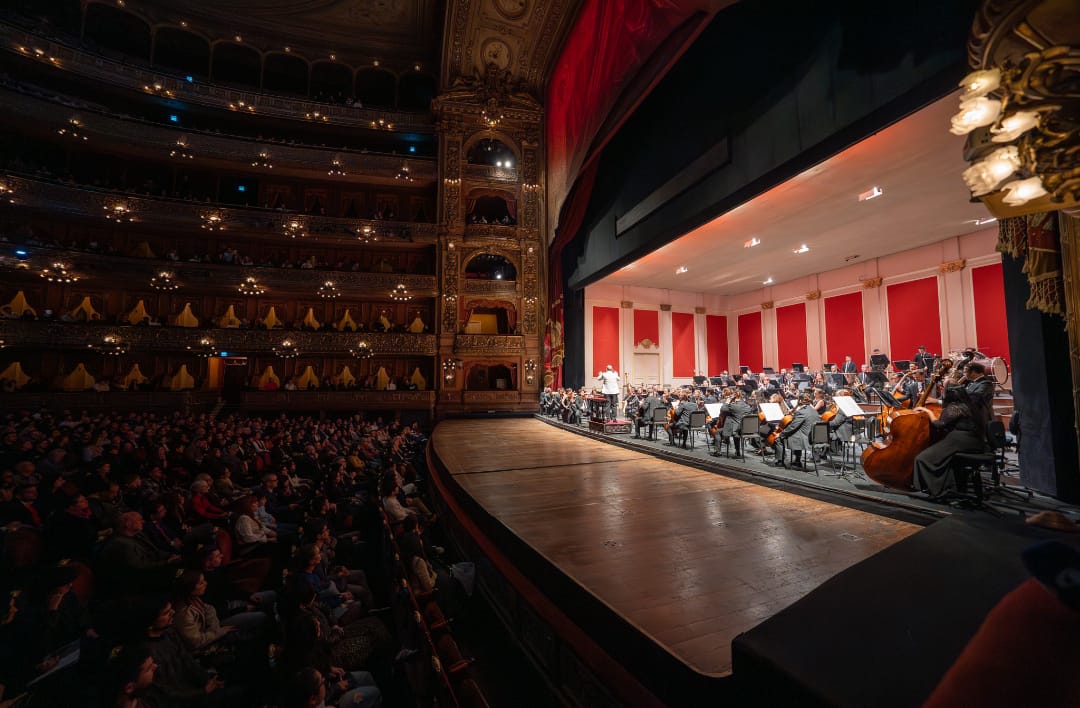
[223,541]
[450,655]
[22,548]
[83,584]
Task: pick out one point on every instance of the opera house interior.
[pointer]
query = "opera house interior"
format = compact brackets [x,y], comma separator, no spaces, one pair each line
[538,353]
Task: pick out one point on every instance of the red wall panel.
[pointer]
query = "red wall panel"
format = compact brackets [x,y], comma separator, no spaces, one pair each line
[605,338]
[646,326]
[791,335]
[844,329]
[750,341]
[682,344]
[716,343]
[913,318]
[991,327]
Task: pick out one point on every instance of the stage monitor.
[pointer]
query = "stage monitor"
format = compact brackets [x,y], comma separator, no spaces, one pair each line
[797,368]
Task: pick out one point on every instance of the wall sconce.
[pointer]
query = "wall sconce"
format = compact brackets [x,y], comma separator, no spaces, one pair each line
[530,371]
[449,368]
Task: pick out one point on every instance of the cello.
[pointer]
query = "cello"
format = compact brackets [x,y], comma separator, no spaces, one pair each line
[788,417]
[892,462]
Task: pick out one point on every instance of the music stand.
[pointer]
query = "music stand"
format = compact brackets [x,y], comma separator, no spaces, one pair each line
[744,369]
[768,370]
[902,365]
[716,380]
[887,398]
[797,368]
[878,362]
[699,380]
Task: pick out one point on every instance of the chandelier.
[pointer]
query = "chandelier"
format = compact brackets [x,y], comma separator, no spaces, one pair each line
[205,348]
[212,221]
[328,291]
[181,151]
[287,349]
[366,233]
[491,114]
[59,273]
[73,130]
[263,161]
[381,124]
[119,213]
[293,228]
[403,173]
[251,287]
[362,351]
[400,293]
[164,282]
[316,115]
[6,192]
[1021,111]
[110,345]
[337,168]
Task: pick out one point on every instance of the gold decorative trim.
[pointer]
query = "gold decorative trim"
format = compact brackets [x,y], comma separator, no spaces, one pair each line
[665,308]
[626,305]
[871,283]
[813,295]
[647,343]
[699,310]
[952,266]
[767,305]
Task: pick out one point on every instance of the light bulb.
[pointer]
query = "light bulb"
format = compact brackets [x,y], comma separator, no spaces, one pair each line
[1022,191]
[975,113]
[979,83]
[1012,127]
[984,176]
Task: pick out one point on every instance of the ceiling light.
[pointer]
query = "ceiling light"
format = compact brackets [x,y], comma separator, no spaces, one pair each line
[1022,191]
[984,176]
[851,258]
[1012,127]
[752,242]
[975,113]
[872,193]
[251,287]
[767,281]
[328,291]
[680,270]
[987,220]
[337,168]
[802,249]
[164,281]
[400,293]
[416,67]
[238,38]
[979,83]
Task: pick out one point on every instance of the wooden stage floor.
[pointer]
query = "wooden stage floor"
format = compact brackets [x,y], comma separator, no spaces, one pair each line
[690,558]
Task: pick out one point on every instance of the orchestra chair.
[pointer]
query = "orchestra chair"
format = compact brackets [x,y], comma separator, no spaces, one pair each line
[697,425]
[659,417]
[819,440]
[748,429]
[970,464]
[852,449]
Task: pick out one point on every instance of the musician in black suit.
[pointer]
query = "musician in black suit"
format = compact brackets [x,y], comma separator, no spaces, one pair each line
[796,434]
[907,390]
[849,366]
[923,359]
[680,426]
[734,411]
[645,412]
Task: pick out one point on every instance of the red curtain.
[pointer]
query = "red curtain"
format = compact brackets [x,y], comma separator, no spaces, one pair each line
[605,339]
[682,344]
[716,343]
[791,335]
[913,318]
[646,326]
[844,329]
[991,327]
[609,42]
[750,341]
[508,197]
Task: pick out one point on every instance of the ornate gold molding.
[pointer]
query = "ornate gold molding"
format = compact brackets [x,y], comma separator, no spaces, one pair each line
[767,305]
[871,283]
[626,305]
[665,308]
[813,295]
[489,344]
[699,310]
[952,266]
[647,343]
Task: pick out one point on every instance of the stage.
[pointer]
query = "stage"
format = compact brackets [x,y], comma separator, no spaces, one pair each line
[687,557]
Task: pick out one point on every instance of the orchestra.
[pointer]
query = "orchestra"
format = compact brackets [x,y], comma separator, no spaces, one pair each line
[955,407]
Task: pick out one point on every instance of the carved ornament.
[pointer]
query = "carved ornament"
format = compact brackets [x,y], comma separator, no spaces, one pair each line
[699,310]
[813,295]
[767,305]
[489,344]
[871,283]
[626,305]
[665,308]
[952,266]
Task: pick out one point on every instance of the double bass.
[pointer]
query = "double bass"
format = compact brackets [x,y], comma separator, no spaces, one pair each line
[892,462]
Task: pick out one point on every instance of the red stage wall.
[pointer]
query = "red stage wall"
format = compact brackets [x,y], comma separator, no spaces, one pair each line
[844,329]
[605,338]
[791,335]
[716,343]
[682,344]
[750,341]
[991,328]
[646,326]
[913,318]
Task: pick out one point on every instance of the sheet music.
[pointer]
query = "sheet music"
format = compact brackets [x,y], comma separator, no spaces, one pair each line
[713,409]
[773,412]
[848,405]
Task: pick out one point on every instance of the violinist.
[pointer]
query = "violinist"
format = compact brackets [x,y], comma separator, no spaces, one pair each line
[632,404]
[733,411]
[646,408]
[819,403]
[571,408]
[796,434]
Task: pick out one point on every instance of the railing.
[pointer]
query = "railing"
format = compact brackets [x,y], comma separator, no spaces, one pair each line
[99,67]
[491,173]
[88,201]
[489,344]
[188,401]
[491,287]
[205,277]
[39,335]
[490,231]
[143,137]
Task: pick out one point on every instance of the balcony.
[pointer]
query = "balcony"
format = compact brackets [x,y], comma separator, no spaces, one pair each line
[98,67]
[490,344]
[191,401]
[491,231]
[39,335]
[490,173]
[504,288]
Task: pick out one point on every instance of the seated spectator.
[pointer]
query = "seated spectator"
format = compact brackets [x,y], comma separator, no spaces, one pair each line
[201,505]
[131,561]
[197,621]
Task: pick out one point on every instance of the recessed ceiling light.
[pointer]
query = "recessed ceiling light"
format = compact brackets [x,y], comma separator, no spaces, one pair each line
[752,242]
[849,259]
[872,193]
[680,270]
[767,281]
[802,249]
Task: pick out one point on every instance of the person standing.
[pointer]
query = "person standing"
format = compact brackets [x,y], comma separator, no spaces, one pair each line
[609,386]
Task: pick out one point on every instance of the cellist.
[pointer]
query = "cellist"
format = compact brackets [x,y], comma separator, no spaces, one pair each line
[796,434]
[733,411]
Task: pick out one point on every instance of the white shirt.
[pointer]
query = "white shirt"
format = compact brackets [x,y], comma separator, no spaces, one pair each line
[609,382]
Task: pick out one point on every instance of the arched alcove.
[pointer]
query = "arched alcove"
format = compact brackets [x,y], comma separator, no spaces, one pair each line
[491,206]
[331,81]
[376,88]
[416,91]
[182,50]
[285,73]
[237,64]
[112,28]
[490,266]
[490,317]
[491,151]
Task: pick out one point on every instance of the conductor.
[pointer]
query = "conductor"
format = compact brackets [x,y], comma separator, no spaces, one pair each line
[609,386]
